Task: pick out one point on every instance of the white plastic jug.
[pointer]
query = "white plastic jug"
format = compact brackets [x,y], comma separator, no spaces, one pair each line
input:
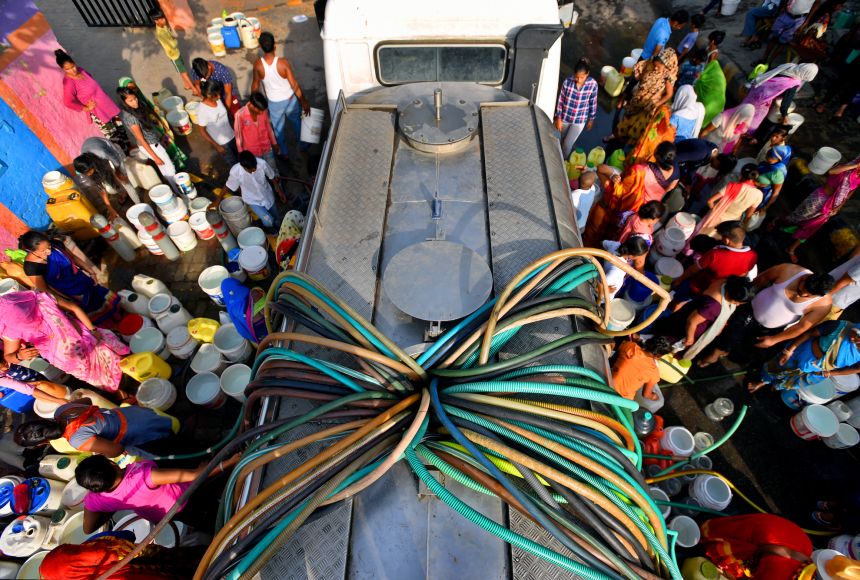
[59,467]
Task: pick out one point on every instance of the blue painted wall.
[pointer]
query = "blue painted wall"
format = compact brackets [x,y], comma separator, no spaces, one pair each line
[23,162]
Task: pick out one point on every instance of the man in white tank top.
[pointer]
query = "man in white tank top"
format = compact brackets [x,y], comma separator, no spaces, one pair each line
[790,301]
[286,101]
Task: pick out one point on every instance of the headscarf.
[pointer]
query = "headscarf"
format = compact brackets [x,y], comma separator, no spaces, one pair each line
[686,105]
[737,122]
[805,72]
[782,153]
[18,310]
[669,57]
[711,89]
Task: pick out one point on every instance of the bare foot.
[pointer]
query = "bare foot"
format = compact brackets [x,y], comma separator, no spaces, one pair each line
[792,257]
[752,387]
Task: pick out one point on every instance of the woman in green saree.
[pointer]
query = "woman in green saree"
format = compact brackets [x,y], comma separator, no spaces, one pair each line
[711,90]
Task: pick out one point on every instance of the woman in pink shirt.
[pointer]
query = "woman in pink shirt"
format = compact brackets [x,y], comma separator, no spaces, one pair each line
[254,132]
[82,93]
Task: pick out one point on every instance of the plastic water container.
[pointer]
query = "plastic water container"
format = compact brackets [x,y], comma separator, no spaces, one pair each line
[45,494]
[162,196]
[54,182]
[794,121]
[183,180]
[234,379]
[596,156]
[232,346]
[614,83]
[235,214]
[204,389]
[846,436]
[621,314]
[719,409]
[210,282]
[169,537]
[9,570]
[576,162]
[678,441]
[711,492]
[688,531]
[203,329]
[149,243]
[604,73]
[73,496]
[700,568]
[30,568]
[819,393]
[703,440]
[8,285]
[59,467]
[140,173]
[841,410]
[182,235]
[145,365]
[156,393]
[669,242]
[648,404]
[658,494]
[627,64]
[46,409]
[207,360]
[230,32]
[729,7]
[191,108]
[199,205]
[671,369]
[180,343]
[251,237]
[7,485]
[171,103]
[24,536]
[814,422]
[846,383]
[636,54]
[824,160]
[134,303]
[131,324]
[94,397]
[149,340]
[686,222]
[201,227]
[216,44]
[312,125]
[148,286]
[255,261]
[167,312]
[179,121]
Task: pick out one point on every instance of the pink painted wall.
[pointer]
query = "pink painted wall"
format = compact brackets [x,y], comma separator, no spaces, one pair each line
[37,81]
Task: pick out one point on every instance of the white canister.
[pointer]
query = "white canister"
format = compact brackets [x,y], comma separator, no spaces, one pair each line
[134,303]
[167,312]
[73,496]
[180,342]
[59,467]
[232,346]
[24,536]
[185,185]
[846,436]
[182,235]
[148,286]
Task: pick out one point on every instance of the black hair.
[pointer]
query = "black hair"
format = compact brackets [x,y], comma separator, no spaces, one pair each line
[247,160]
[652,210]
[680,16]
[781,129]
[582,65]
[702,243]
[155,13]
[733,231]
[664,155]
[38,432]
[657,346]
[29,240]
[63,58]
[212,88]
[717,36]
[749,172]
[267,42]
[633,246]
[144,113]
[83,163]
[698,54]
[727,163]
[697,20]
[259,100]
[96,473]
[102,171]
[819,284]
[201,67]
[739,289]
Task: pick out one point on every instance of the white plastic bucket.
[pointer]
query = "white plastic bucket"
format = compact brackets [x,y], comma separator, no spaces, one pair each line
[134,212]
[825,158]
[251,237]
[182,235]
[199,205]
[8,285]
[688,531]
[180,121]
[156,393]
[711,492]
[201,227]
[191,108]
[178,212]
[794,120]
[232,346]
[141,529]
[149,243]
[162,196]
[159,305]
[658,494]
[678,441]
[846,436]
[216,44]
[45,409]
[171,103]
[814,422]
[55,181]
[149,340]
[621,314]
[180,343]
[94,397]
[636,54]
[684,221]
[774,114]
[208,360]
[667,269]
[312,126]
[30,568]
[729,7]
[184,183]
[73,496]
[204,389]
[669,241]
[819,393]
[841,410]
[235,214]
[846,383]
[255,261]
[210,282]
[234,379]
[627,64]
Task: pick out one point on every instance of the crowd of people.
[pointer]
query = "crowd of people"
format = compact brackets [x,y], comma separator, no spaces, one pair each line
[681,147]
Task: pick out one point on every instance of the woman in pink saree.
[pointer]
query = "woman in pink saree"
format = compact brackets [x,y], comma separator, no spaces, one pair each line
[76,347]
[769,85]
[823,203]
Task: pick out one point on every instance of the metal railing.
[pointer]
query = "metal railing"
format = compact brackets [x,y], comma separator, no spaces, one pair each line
[99,13]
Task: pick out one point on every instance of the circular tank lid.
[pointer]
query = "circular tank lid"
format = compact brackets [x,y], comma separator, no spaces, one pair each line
[437,280]
[454,130]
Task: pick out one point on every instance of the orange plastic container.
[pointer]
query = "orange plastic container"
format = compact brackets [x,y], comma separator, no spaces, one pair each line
[71,211]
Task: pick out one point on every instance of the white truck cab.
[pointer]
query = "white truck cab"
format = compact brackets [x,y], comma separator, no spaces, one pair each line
[508,44]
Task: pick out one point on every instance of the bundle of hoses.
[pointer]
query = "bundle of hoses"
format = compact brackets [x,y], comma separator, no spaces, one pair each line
[516,428]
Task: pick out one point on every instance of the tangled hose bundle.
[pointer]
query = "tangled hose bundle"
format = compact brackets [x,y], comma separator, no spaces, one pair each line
[514,428]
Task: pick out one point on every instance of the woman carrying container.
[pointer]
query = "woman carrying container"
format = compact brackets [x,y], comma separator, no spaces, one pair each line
[82,93]
[656,86]
[109,432]
[737,201]
[50,267]
[76,347]
[830,349]
[139,119]
[159,124]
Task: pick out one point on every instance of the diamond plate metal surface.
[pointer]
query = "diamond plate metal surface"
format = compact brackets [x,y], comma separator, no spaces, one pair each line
[527,566]
[348,232]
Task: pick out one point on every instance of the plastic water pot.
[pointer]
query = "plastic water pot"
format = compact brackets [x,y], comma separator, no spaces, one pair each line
[814,422]
[8,285]
[234,379]
[621,314]
[678,441]
[149,243]
[207,360]
[210,282]
[145,365]
[703,440]
[636,54]
[156,393]
[182,235]
[180,121]
[255,261]
[846,383]
[669,241]
[54,182]
[131,324]
[819,393]
[841,410]
[203,329]
[846,436]
[149,340]
[59,467]
[7,485]
[199,205]
[30,568]
[180,343]
[200,225]
[9,570]
[204,389]
[604,73]
[669,267]
[216,43]
[94,397]
[168,537]
[183,181]
[251,237]
[312,125]
[230,32]
[148,286]
[73,496]
[711,492]
[191,108]
[46,495]
[232,346]
[235,214]
[171,103]
[614,83]
[688,531]
[686,222]
[729,7]
[658,494]
[648,404]
[24,536]
[824,159]
[135,211]
[627,64]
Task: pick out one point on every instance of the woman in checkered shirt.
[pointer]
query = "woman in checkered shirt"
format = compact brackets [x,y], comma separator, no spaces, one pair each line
[577,106]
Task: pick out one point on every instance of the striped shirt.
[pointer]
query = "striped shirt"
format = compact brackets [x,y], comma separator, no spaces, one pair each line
[577,105]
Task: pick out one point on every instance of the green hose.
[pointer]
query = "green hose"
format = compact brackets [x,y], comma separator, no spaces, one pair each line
[542,389]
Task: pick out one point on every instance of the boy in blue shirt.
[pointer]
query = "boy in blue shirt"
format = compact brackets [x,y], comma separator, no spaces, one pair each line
[661,31]
[696,23]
